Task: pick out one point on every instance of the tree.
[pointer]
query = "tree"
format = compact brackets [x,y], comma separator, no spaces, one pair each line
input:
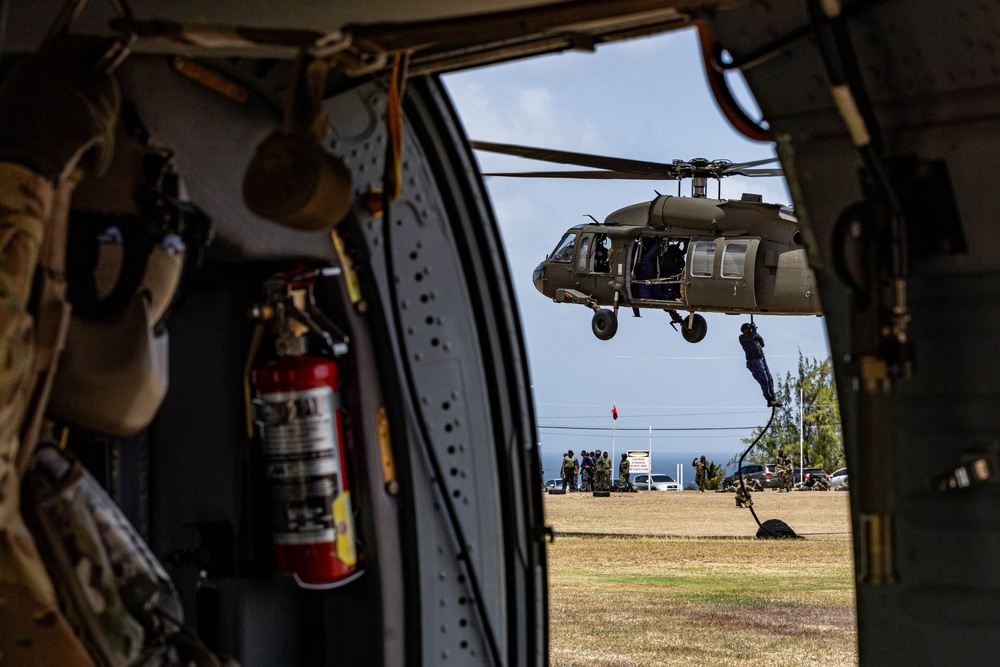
[813,393]
[713,475]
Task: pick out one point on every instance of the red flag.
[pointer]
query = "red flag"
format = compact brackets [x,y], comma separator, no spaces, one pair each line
[614,411]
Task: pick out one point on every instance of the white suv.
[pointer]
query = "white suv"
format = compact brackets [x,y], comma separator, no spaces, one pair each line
[659,483]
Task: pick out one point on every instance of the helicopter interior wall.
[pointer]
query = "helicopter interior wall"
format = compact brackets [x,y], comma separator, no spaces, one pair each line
[452,548]
[210,512]
[907,438]
[213,151]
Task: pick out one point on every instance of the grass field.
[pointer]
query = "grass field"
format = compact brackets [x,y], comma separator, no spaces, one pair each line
[660,578]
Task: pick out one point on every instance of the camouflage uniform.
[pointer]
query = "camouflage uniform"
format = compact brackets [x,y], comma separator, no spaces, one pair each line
[700,472]
[783,469]
[602,464]
[623,474]
[743,497]
[819,483]
[52,108]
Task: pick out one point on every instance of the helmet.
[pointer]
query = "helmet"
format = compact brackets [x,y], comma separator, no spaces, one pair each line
[128,252]
[746,326]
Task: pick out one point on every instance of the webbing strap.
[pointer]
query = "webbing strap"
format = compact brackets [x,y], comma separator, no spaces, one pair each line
[393,179]
[52,317]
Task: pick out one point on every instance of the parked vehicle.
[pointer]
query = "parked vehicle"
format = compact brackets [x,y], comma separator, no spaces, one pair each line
[658,483]
[806,473]
[838,478]
[554,484]
[762,472]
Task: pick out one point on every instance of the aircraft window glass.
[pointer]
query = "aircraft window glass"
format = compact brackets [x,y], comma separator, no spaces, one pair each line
[702,258]
[564,251]
[581,263]
[734,258]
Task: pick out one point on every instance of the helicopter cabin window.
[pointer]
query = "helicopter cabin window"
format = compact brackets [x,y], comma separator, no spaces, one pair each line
[702,258]
[564,251]
[602,254]
[734,258]
[584,255]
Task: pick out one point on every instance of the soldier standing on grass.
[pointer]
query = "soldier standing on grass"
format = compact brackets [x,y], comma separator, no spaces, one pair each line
[623,469]
[568,474]
[586,472]
[601,465]
[700,472]
[783,468]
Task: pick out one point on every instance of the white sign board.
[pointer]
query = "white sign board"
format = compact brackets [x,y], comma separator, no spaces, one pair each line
[638,461]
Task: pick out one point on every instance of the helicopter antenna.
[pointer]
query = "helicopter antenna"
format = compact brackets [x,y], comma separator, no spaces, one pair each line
[587,215]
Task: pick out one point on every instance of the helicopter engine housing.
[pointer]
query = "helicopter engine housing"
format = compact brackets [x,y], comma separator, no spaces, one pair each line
[668,211]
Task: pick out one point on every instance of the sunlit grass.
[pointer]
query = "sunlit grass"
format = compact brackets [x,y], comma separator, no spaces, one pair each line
[694,601]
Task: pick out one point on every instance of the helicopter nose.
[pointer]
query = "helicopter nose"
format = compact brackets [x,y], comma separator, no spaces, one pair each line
[536,277]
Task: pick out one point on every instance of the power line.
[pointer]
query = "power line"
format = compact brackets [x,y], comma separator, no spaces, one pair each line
[646,429]
[660,415]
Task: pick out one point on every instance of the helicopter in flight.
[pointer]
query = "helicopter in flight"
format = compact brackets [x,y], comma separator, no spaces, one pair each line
[674,253]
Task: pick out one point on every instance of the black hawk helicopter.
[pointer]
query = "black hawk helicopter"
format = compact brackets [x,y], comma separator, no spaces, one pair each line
[675,253]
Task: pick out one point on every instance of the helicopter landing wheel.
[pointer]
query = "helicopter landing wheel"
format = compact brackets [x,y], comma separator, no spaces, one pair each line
[694,328]
[604,324]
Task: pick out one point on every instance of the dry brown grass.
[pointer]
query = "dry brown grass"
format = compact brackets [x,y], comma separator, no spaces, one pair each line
[671,579]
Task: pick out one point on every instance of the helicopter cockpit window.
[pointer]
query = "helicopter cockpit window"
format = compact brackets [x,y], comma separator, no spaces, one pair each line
[734,258]
[702,258]
[564,251]
[581,262]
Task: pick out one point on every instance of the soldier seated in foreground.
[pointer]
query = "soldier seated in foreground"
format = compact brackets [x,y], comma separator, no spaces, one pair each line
[818,483]
[743,496]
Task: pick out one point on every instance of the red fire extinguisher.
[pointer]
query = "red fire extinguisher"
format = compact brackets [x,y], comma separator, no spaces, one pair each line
[298,415]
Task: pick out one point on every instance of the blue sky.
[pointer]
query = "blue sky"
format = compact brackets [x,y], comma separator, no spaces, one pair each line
[643,99]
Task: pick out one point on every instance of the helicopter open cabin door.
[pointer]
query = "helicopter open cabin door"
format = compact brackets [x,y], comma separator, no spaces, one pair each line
[721,273]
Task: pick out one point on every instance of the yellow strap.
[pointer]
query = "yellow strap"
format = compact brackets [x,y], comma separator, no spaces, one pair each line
[394,128]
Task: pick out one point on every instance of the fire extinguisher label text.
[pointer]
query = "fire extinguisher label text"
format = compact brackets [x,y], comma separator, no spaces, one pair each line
[299,433]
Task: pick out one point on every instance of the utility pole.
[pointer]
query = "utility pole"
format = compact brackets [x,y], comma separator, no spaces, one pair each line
[802,463]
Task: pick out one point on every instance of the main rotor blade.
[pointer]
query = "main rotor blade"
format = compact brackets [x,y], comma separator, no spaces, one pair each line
[756,172]
[739,166]
[580,159]
[596,175]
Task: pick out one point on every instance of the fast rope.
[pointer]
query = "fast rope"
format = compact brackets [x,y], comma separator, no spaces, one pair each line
[739,464]
[739,467]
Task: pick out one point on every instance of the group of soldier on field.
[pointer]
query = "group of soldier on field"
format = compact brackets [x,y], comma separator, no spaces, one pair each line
[594,472]
[783,470]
